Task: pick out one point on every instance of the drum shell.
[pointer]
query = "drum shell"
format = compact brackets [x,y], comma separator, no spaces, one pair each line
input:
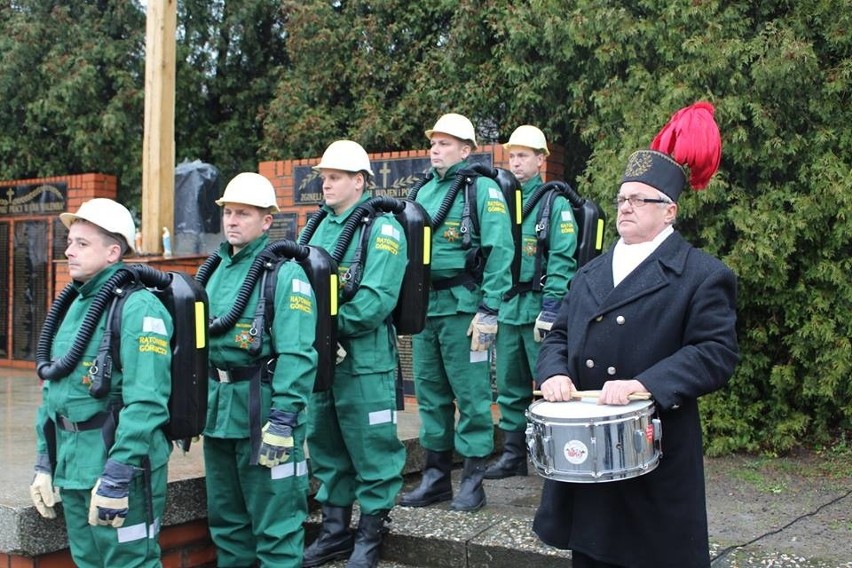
[613,444]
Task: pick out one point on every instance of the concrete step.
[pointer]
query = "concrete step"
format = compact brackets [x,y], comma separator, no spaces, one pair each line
[498,535]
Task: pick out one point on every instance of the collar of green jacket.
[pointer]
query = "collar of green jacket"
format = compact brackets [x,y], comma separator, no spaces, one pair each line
[251,250]
[334,218]
[531,185]
[90,288]
[451,172]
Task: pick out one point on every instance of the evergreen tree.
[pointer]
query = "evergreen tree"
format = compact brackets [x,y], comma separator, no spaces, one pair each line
[278,79]
[230,56]
[71,78]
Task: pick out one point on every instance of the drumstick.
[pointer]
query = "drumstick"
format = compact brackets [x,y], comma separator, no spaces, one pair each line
[578,395]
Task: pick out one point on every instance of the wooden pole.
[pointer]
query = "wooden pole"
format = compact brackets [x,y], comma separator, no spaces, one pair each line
[158,145]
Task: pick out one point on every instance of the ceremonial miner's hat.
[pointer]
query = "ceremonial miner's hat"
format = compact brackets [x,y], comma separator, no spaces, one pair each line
[685,153]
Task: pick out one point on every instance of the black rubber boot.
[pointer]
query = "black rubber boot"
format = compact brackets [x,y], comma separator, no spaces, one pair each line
[335,540]
[436,485]
[471,495]
[513,461]
[368,541]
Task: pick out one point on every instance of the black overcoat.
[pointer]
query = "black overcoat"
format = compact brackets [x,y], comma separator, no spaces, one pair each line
[671,325]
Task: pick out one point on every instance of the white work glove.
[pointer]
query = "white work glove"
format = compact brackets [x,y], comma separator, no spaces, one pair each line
[41,489]
[341,354]
[545,319]
[111,495]
[482,330]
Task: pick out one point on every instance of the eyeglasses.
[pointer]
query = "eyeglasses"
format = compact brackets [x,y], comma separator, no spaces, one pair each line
[636,201]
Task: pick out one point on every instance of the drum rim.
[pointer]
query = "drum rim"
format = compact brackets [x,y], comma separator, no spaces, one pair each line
[637,408]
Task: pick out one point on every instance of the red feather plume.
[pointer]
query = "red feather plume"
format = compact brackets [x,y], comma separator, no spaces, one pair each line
[692,138]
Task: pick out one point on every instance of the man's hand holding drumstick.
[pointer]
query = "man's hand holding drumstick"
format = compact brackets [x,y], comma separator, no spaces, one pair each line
[560,388]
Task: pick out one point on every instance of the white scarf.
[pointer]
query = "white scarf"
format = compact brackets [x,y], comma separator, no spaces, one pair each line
[625,258]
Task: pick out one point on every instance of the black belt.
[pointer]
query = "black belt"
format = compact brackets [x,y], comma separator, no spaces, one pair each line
[518,289]
[257,374]
[464,279]
[240,374]
[96,422]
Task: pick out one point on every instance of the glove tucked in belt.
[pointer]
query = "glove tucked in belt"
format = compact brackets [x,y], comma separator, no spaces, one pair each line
[110,496]
[276,441]
[483,329]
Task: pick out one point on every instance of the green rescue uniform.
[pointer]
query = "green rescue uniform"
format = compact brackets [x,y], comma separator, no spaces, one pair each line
[517,352]
[446,372]
[352,437]
[255,513]
[139,398]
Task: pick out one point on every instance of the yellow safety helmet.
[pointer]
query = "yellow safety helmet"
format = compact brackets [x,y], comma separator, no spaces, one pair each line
[347,156]
[530,137]
[109,215]
[455,125]
[249,188]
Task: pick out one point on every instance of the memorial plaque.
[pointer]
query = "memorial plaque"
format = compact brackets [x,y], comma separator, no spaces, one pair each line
[393,177]
[4,291]
[29,296]
[33,199]
[283,227]
[60,240]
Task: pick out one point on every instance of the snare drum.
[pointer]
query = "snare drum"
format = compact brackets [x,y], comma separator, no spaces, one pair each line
[584,442]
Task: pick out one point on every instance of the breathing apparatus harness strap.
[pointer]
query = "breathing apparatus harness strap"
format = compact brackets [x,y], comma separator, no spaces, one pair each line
[100,372]
[469,225]
[264,270]
[549,192]
[256,375]
[362,217]
[353,275]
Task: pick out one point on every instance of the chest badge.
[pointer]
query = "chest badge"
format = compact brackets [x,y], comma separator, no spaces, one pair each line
[451,234]
[243,339]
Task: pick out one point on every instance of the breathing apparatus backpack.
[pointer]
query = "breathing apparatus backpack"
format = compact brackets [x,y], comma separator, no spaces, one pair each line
[470,225]
[590,218]
[591,222]
[186,302]
[409,314]
[321,271]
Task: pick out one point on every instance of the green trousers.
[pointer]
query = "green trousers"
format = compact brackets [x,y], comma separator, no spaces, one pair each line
[447,374]
[133,544]
[517,353]
[352,440]
[255,513]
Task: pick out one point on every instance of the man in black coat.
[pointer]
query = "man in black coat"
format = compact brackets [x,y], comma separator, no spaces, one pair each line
[652,314]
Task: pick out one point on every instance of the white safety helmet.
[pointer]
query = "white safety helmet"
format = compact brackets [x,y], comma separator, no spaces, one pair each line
[249,188]
[347,156]
[455,125]
[530,137]
[107,214]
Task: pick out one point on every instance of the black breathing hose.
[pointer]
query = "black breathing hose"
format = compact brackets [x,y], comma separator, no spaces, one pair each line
[560,186]
[449,198]
[52,321]
[264,260]
[287,249]
[219,325]
[412,193]
[461,178]
[311,226]
[53,370]
[202,275]
[481,169]
[369,207]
